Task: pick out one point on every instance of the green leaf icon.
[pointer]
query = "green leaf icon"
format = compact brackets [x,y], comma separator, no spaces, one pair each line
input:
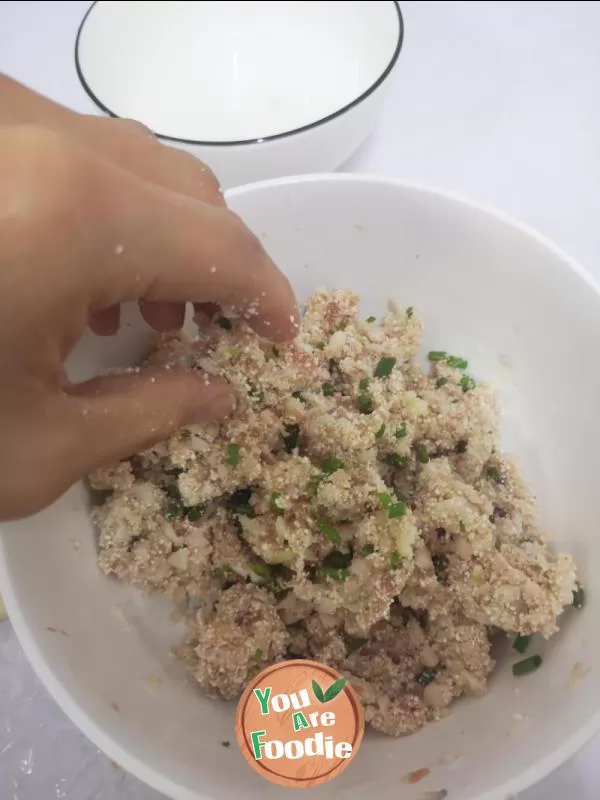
[334,690]
[318,692]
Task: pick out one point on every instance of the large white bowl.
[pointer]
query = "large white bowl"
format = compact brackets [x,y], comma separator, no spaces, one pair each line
[528,318]
[256,89]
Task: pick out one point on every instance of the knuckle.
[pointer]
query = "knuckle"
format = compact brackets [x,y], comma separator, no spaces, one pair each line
[208,176]
[134,127]
[202,179]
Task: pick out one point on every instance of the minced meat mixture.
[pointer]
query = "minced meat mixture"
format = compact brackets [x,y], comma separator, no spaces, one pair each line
[354,510]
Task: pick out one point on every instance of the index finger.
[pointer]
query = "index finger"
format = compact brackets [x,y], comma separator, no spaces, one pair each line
[151,243]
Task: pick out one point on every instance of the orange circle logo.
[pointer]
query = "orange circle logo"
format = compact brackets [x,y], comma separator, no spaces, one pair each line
[299,723]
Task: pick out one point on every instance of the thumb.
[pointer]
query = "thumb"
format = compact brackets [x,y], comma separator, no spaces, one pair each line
[115,416]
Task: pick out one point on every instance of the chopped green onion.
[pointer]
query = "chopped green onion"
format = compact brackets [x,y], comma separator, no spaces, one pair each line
[441,382]
[224,323]
[579,597]
[365,404]
[401,431]
[173,512]
[353,644]
[461,446]
[367,550]
[437,355]
[467,383]
[422,454]
[194,512]
[384,367]
[397,510]
[342,326]
[328,389]
[335,573]
[452,361]
[275,351]
[527,666]
[290,437]
[379,433]
[410,311]
[385,499]
[521,643]
[276,505]
[262,570]
[395,460]
[457,363]
[320,346]
[331,465]
[331,532]
[462,526]
[363,384]
[233,454]
[426,676]
[258,656]
[314,483]
[394,560]
[495,474]
[299,396]
[371,319]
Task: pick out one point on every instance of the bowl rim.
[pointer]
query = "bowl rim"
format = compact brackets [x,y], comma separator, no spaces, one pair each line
[58,687]
[257,140]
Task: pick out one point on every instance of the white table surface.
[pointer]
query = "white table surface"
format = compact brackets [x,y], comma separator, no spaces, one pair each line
[499,101]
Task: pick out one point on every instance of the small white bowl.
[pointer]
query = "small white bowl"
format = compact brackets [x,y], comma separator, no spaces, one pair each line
[528,319]
[255,89]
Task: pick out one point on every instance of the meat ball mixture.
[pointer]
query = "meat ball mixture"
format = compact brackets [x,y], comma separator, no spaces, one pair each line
[354,510]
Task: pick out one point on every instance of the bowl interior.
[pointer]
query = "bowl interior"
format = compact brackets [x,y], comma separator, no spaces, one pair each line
[529,323]
[234,71]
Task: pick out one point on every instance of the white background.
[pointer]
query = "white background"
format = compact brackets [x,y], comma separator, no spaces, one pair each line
[499,101]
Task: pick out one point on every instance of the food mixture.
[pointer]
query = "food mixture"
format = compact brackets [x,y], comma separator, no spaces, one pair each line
[354,510]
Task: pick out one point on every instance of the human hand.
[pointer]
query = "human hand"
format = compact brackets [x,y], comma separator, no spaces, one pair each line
[94,214]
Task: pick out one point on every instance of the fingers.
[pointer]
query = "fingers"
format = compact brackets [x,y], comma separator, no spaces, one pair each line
[66,436]
[194,252]
[209,310]
[163,316]
[118,415]
[160,316]
[132,240]
[176,249]
[106,322]
[133,147]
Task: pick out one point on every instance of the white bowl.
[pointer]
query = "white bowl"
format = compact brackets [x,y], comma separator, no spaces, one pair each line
[528,318]
[255,89]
